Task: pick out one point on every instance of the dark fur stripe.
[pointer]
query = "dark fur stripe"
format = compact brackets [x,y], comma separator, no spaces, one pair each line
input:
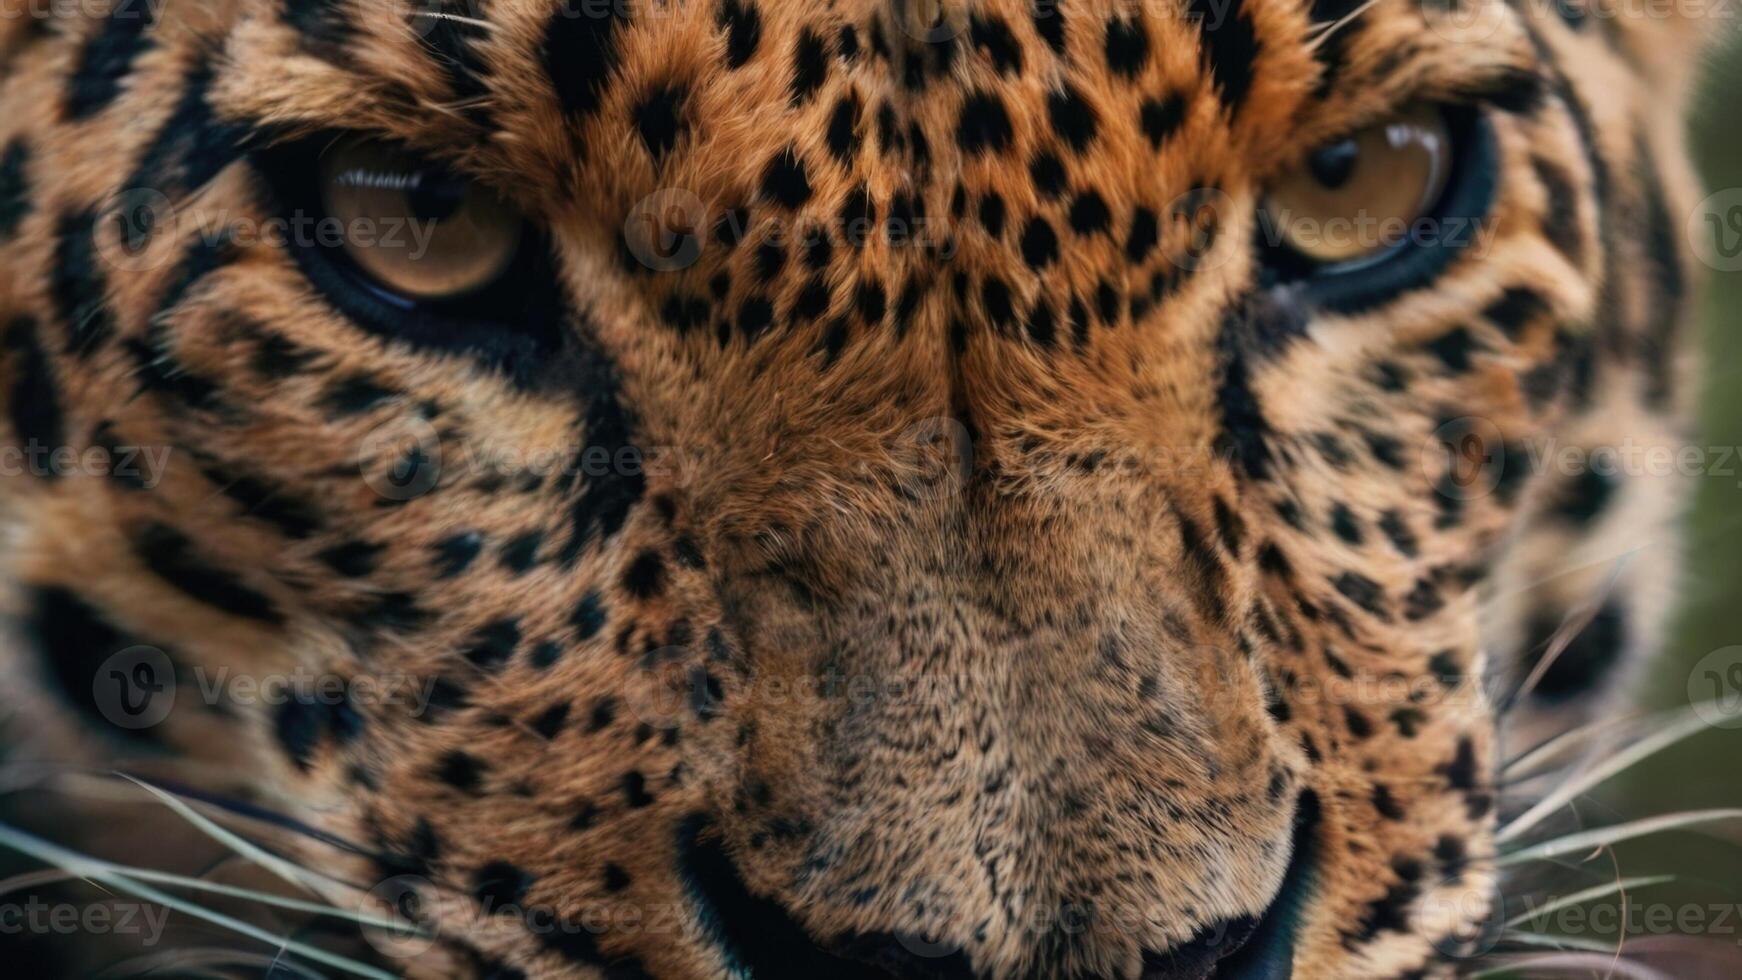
[1668,280]
[78,285]
[73,641]
[602,499]
[192,147]
[322,25]
[108,57]
[580,53]
[14,187]
[170,556]
[34,401]
[1230,46]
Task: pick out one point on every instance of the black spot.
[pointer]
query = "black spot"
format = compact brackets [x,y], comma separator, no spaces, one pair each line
[1162,118]
[1461,771]
[1386,804]
[1127,47]
[581,52]
[14,186]
[500,887]
[301,722]
[551,720]
[755,316]
[34,401]
[1049,23]
[1422,601]
[1398,533]
[107,58]
[992,35]
[984,125]
[1040,244]
[785,181]
[1584,497]
[520,554]
[659,118]
[1453,349]
[635,790]
[1073,119]
[847,42]
[810,66]
[1047,172]
[1230,46]
[871,301]
[494,643]
[615,878]
[1344,523]
[843,131]
[1145,233]
[170,556]
[1089,214]
[191,148]
[992,214]
[354,395]
[1589,657]
[1365,593]
[645,576]
[353,559]
[1516,309]
[461,770]
[456,552]
[1000,308]
[742,22]
[589,616]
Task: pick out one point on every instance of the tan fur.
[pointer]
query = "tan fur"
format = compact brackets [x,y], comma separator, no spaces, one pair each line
[1071,643]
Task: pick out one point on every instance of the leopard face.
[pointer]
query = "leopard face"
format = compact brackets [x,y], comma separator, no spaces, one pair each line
[860,488]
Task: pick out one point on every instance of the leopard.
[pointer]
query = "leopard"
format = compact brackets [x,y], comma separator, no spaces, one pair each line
[845,488]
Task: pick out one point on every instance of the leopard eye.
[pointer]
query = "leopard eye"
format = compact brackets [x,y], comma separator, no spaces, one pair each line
[454,237]
[1357,198]
[408,249]
[1382,210]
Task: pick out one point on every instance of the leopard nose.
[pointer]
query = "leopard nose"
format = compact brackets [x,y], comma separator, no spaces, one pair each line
[760,938]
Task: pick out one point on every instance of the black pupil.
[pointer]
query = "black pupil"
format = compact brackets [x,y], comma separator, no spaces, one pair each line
[435,197]
[1333,165]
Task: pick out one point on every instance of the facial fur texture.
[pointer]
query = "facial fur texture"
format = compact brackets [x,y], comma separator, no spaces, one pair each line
[1005,574]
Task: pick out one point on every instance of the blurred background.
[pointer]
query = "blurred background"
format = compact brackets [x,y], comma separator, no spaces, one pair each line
[1707,770]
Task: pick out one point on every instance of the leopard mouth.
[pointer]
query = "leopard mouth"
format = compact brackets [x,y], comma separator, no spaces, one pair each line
[760,940]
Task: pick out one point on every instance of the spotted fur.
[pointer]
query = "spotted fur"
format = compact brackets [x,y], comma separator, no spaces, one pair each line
[1188,594]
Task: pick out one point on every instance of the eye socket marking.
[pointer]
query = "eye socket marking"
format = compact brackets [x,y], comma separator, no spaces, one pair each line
[408,249]
[1382,211]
